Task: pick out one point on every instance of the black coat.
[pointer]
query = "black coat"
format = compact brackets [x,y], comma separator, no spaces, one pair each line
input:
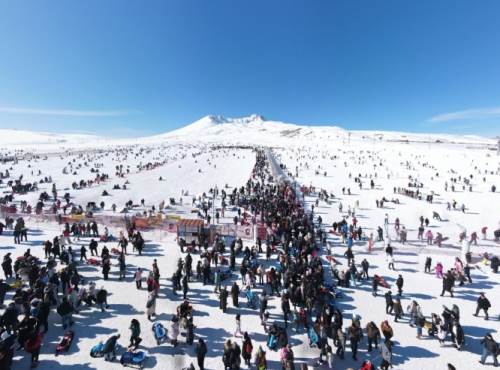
[489,343]
[64,308]
[483,303]
[9,317]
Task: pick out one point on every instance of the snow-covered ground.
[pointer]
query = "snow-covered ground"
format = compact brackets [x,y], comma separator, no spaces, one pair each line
[187,161]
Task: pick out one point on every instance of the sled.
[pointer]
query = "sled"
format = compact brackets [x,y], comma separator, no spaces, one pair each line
[133,359]
[93,262]
[272,343]
[160,332]
[250,298]
[65,343]
[116,251]
[313,338]
[96,351]
[330,259]
[16,284]
[381,281]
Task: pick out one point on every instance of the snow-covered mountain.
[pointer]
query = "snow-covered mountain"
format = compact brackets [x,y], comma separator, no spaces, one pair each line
[249,130]
[255,129]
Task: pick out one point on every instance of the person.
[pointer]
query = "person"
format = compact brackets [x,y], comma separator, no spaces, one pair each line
[341,341]
[387,331]
[135,332]
[185,286]
[287,358]
[174,330]
[428,263]
[65,310]
[7,346]
[217,280]
[122,266]
[398,309]
[448,283]
[399,284]
[386,352]
[260,359]
[102,299]
[355,335]
[151,305]
[223,299]
[490,348]
[389,303]
[109,349]
[375,284]
[138,278]
[373,335]
[495,263]
[4,288]
[365,265]
[83,253]
[237,331]
[235,292]
[419,323]
[7,266]
[33,345]
[458,335]
[226,357]
[201,352]
[93,248]
[106,266]
[483,304]
[247,349]
[390,261]
[190,330]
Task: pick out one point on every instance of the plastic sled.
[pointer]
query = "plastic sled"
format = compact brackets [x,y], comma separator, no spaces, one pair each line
[160,332]
[96,351]
[93,262]
[16,284]
[65,343]
[133,359]
[381,281]
[272,343]
[250,298]
[313,338]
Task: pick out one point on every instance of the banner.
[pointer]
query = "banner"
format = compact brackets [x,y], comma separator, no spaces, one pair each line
[245,232]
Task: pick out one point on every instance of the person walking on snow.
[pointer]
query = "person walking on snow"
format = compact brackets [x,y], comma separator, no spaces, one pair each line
[483,304]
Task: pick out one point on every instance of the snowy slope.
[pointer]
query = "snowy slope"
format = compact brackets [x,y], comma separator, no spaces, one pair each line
[250,130]
[309,152]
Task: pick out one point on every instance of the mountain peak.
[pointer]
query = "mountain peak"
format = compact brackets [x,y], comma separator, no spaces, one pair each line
[217,119]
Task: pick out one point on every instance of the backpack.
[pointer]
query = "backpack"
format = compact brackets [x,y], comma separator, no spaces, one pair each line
[248,348]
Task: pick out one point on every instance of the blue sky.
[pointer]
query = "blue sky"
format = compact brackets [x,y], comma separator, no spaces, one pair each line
[128,68]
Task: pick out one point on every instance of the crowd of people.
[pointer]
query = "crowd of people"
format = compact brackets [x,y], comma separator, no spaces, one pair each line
[284,268]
